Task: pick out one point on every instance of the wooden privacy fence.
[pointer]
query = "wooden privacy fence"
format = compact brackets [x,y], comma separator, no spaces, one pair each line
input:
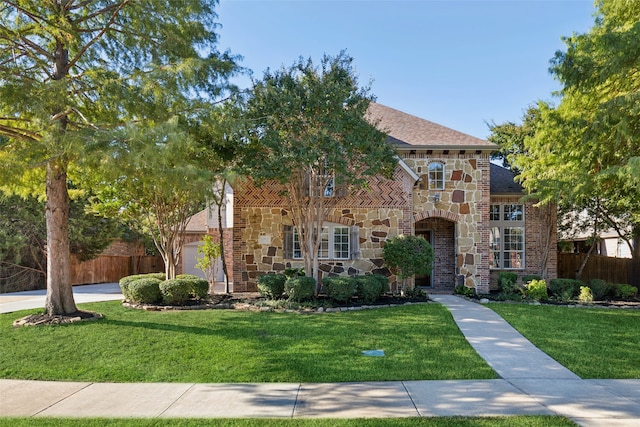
[613,270]
[111,268]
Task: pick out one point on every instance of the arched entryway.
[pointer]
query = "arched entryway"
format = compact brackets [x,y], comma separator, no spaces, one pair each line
[440,233]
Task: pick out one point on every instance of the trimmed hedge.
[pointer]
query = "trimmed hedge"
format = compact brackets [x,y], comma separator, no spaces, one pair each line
[300,288]
[271,285]
[198,287]
[126,281]
[183,288]
[144,291]
[175,291]
[370,287]
[339,288]
[625,292]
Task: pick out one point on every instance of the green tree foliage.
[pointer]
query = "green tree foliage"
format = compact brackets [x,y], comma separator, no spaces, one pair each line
[510,136]
[209,252]
[220,133]
[23,239]
[407,256]
[586,151]
[152,175]
[69,68]
[309,132]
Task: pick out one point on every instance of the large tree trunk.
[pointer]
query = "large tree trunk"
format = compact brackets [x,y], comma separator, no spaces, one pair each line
[59,289]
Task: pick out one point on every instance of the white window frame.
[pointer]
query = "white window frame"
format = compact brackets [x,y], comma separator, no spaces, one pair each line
[507,236]
[437,182]
[332,244]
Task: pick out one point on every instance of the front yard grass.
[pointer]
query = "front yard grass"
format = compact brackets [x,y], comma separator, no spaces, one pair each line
[420,342]
[591,342]
[520,421]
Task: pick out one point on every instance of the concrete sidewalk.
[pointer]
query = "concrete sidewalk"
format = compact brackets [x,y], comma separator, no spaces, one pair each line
[531,383]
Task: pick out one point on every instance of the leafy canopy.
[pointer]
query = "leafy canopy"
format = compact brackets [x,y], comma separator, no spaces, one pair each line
[586,151]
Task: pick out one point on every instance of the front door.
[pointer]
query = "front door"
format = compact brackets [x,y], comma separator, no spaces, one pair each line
[425,280]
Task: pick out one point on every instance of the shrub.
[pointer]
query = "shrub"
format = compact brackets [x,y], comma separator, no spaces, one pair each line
[565,289]
[371,287]
[188,277]
[126,281]
[339,288]
[293,272]
[530,277]
[301,288]
[199,287]
[416,292]
[625,292]
[145,290]
[600,289]
[536,290]
[408,255]
[464,291]
[585,295]
[508,282]
[175,291]
[271,285]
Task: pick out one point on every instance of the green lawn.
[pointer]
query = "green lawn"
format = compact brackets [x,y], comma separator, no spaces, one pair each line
[421,342]
[592,342]
[520,421]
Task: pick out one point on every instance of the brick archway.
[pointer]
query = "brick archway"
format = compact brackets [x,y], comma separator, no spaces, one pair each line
[437,213]
[439,227]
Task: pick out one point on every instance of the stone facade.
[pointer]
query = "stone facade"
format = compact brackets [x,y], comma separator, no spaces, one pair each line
[464,201]
[455,218]
[380,212]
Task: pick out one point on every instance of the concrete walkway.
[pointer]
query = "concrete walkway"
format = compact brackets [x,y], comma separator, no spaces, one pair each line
[531,383]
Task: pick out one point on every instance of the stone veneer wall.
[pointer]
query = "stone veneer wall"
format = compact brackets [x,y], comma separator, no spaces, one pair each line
[541,224]
[381,212]
[464,201]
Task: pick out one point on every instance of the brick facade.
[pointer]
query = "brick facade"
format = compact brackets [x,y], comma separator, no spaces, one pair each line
[541,234]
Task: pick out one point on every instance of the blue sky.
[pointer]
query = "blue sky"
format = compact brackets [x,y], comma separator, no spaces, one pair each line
[458,63]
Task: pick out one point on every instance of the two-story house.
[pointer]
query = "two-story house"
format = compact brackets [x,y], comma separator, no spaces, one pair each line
[444,188]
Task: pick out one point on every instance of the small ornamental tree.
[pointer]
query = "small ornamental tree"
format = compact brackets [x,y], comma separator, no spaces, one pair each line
[407,256]
[209,252]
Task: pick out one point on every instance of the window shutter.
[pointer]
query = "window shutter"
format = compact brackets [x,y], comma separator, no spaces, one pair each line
[287,241]
[354,242]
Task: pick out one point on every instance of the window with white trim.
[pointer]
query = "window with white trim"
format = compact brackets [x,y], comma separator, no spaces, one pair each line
[337,241]
[436,176]
[506,236]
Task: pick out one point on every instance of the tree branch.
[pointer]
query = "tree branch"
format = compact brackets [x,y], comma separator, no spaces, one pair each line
[94,40]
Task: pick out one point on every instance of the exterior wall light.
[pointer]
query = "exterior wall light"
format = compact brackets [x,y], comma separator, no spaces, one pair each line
[436,198]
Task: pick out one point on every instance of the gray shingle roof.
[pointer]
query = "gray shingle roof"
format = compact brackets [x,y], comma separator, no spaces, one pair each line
[502,181]
[407,130]
[198,223]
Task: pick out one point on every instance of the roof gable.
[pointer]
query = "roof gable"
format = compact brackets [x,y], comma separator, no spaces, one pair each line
[503,181]
[405,130]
